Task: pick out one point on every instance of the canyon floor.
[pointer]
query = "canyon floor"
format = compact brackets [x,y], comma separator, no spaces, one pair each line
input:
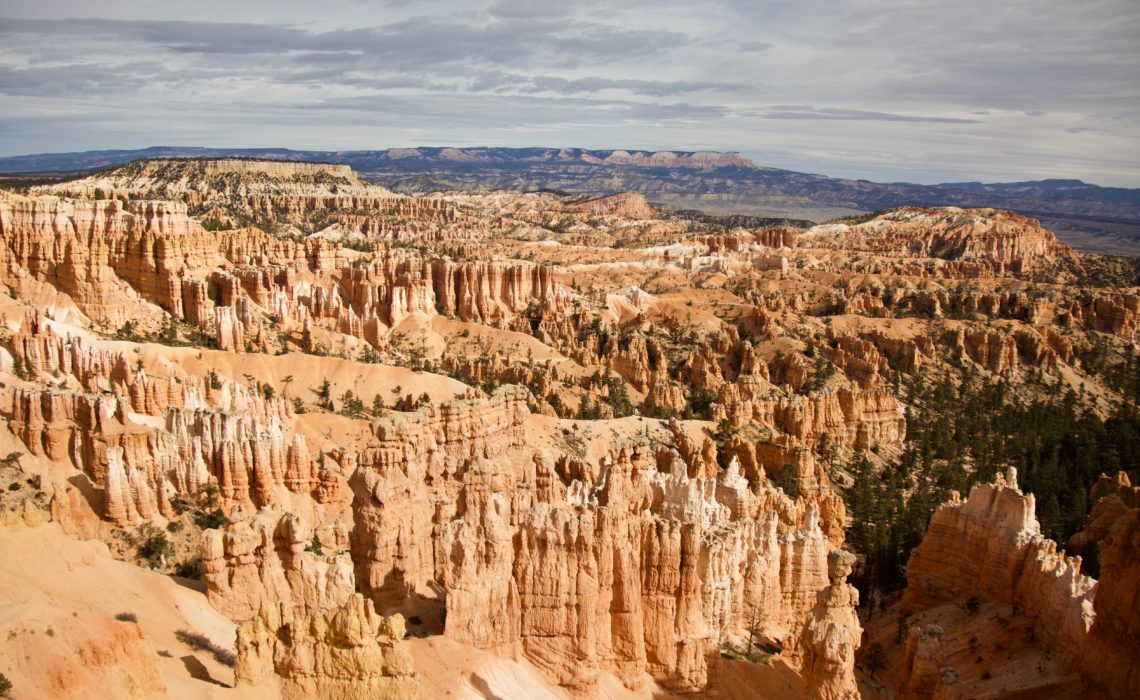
[270,430]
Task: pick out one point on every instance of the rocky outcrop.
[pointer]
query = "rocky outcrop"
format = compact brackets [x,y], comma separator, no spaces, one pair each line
[231,192]
[989,236]
[924,675]
[996,351]
[630,205]
[851,415]
[832,636]
[341,653]
[1115,314]
[1113,646]
[271,557]
[991,546]
[778,236]
[394,287]
[145,440]
[395,512]
[109,259]
[642,562]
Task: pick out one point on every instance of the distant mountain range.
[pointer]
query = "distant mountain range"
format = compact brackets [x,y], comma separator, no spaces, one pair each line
[1100,219]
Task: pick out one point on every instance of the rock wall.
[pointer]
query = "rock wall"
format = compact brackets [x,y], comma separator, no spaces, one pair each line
[990,546]
[270,557]
[987,236]
[145,440]
[341,653]
[851,415]
[1111,654]
[631,565]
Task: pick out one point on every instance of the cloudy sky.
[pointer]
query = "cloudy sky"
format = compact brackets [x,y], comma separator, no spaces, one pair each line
[916,90]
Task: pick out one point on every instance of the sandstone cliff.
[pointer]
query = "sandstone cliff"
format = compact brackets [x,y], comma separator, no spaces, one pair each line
[990,547]
[341,653]
[630,565]
[990,236]
[271,557]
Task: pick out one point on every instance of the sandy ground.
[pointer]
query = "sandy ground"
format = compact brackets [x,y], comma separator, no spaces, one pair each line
[56,593]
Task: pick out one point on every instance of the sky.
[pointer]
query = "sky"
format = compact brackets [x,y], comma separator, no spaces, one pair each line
[889,90]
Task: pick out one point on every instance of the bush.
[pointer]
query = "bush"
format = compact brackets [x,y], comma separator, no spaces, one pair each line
[127,617]
[5,685]
[191,568]
[153,544]
[200,642]
[211,520]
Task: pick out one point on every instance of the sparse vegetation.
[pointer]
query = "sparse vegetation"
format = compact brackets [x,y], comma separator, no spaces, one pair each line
[200,642]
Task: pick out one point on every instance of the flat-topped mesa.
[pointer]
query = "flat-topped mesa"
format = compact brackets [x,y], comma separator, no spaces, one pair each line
[992,236]
[991,546]
[273,168]
[668,159]
[232,192]
[221,175]
[344,652]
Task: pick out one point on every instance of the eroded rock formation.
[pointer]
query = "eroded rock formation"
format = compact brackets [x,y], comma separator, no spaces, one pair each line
[990,547]
[340,653]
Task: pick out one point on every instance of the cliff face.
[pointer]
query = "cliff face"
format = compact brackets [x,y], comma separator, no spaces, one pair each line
[341,653]
[235,191]
[1113,646]
[146,440]
[989,547]
[968,235]
[630,205]
[119,266]
[110,261]
[271,557]
[629,566]
[847,414]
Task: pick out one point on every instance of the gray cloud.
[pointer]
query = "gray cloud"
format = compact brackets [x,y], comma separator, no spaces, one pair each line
[1041,88]
[809,112]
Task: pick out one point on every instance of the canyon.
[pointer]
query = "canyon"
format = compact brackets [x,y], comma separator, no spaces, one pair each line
[343,441]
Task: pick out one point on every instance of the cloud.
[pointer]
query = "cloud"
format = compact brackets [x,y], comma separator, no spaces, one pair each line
[857,88]
[808,112]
